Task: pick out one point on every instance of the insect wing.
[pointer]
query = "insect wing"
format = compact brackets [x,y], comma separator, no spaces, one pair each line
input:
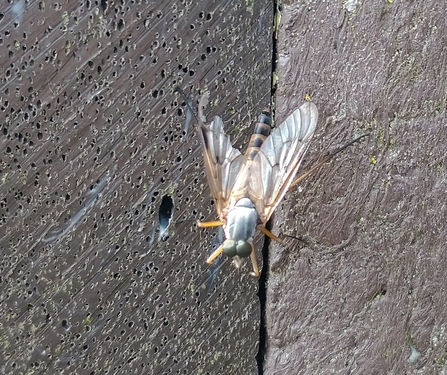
[222,162]
[279,158]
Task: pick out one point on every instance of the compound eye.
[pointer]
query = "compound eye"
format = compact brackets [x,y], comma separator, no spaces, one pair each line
[229,248]
[243,249]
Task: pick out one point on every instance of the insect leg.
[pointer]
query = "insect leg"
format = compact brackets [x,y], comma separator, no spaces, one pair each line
[304,175]
[187,100]
[215,255]
[270,234]
[325,160]
[254,262]
[208,224]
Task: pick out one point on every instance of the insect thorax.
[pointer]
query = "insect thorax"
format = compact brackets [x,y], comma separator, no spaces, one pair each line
[242,220]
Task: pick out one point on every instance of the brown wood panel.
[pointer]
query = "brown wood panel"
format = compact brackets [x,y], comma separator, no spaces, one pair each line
[365,292]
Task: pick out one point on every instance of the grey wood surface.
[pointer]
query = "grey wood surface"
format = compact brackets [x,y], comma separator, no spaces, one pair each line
[92,138]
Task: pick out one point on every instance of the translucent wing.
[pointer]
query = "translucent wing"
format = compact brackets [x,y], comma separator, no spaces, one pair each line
[222,162]
[279,158]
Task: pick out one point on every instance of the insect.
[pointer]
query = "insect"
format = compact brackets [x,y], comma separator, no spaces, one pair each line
[247,188]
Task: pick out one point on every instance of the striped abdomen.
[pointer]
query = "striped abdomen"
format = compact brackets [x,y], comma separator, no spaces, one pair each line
[260,133]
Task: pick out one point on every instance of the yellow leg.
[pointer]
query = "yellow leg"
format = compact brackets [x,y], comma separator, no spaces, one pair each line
[208,224]
[214,255]
[325,160]
[270,234]
[304,175]
[254,262]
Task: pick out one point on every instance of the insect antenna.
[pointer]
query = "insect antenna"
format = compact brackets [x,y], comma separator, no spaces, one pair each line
[189,109]
[187,100]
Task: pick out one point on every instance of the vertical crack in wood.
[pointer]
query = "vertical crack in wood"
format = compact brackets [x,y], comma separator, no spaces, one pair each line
[263,279]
